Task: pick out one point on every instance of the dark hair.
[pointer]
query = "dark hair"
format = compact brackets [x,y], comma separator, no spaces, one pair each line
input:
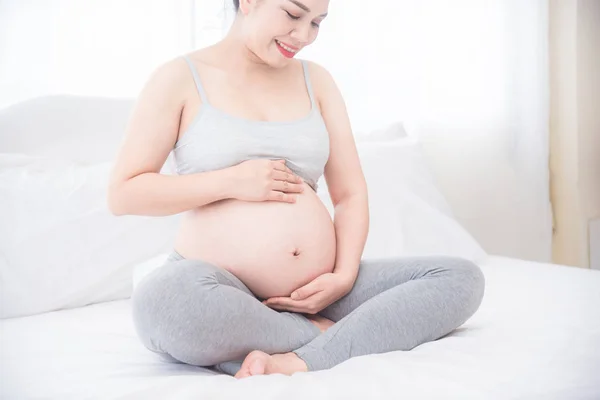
[236,4]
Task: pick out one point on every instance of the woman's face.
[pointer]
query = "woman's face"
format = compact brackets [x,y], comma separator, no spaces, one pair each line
[276,30]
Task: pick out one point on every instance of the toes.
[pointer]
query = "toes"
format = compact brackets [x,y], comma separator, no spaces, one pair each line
[257,367]
[241,373]
[254,364]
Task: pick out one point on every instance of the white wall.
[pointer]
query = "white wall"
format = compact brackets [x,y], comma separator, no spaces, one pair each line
[575,126]
[588,86]
[102,48]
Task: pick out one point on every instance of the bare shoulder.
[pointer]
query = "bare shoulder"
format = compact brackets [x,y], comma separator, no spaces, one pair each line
[323,83]
[170,80]
[319,74]
[206,57]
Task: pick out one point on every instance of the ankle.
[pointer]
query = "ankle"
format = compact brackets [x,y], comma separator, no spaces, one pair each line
[315,323]
[289,363]
[320,322]
[298,362]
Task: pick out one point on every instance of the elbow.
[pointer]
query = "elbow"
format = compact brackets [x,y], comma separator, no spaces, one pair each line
[114,202]
[352,196]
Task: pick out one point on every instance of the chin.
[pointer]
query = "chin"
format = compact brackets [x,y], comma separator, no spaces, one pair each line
[273,58]
[280,63]
[277,61]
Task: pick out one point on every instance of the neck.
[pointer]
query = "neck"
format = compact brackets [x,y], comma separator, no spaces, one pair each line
[238,57]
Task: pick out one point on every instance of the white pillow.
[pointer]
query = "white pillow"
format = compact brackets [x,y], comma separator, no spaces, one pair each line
[408,214]
[79,128]
[60,247]
[392,132]
[142,269]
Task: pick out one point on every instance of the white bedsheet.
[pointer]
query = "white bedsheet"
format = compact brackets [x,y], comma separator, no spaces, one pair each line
[536,336]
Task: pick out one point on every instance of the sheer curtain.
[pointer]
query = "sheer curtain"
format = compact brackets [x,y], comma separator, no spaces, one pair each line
[92,47]
[470,77]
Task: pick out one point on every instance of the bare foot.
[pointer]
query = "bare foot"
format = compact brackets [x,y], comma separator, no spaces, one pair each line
[321,322]
[260,363]
[255,363]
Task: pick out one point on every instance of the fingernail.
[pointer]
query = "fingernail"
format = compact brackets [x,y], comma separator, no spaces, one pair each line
[294,296]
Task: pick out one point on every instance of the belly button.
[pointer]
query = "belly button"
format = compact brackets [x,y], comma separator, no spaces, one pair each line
[296,253]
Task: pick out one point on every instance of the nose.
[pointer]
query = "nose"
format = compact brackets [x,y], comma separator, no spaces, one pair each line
[301,34]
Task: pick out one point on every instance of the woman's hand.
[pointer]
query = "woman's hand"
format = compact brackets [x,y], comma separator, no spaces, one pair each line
[314,296]
[265,180]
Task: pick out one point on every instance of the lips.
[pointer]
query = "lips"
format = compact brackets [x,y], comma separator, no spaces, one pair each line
[286,49]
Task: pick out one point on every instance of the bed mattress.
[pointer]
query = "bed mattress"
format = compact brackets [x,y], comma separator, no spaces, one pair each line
[535,336]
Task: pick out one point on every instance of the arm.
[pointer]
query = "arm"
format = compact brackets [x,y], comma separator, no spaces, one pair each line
[348,191]
[344,177]
[136,186]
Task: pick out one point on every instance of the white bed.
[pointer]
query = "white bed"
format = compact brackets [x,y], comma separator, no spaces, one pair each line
[536,336]
[68,267]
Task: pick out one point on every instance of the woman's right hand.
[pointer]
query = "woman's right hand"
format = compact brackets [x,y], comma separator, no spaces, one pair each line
[265,180]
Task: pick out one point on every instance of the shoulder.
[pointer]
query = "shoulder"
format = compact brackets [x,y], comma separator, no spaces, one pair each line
[168,78]
[323,83]
[319,75]
[173,71]
[172,79]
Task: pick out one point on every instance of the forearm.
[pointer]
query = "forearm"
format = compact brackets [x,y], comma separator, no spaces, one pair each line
[155,194]
[351,221]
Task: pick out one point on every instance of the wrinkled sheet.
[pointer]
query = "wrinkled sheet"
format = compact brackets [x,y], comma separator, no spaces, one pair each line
[535,336]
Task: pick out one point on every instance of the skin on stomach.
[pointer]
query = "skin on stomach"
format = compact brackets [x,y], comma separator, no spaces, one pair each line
[273,247]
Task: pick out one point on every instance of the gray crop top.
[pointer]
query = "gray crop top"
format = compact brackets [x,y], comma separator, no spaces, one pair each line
[217,140]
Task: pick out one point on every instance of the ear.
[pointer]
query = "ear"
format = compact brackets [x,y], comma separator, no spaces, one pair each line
[247,5]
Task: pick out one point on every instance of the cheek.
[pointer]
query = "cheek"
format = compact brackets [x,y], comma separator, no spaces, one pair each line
[247,35]
[254,41]
[263,34]
[313,36]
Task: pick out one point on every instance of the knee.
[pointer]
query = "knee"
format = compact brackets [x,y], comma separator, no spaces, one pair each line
[169,285]
[470,282]
[169,311]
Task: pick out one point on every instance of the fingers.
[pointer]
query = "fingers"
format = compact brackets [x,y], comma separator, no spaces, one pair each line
[280,196]
[286,176]
[284,304]
[280,166]
[286,187]
[285,183]
[288,309]
[305,292]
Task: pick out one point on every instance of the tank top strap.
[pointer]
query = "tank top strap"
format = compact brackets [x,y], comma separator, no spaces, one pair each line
[308,84]
[197,81]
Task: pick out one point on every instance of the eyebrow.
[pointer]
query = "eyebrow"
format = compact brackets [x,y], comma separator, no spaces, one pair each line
[304,7]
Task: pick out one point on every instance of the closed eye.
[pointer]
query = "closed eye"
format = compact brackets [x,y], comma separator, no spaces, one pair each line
[292,16]
[296,17]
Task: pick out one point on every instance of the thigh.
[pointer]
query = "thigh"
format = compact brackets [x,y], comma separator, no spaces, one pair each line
[183,298]
[377,275]
[202,314]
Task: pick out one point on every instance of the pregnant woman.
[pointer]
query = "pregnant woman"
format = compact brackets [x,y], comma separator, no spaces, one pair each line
[261,280]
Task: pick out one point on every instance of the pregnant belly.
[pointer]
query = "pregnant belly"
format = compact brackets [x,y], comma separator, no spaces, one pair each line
[273,247]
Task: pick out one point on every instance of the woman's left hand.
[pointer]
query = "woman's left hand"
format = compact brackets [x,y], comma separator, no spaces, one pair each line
[314,296]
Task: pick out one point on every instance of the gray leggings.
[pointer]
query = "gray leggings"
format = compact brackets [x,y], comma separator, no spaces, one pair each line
[197,313]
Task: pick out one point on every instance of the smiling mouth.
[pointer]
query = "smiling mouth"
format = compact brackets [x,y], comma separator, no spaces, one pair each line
[286,50]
